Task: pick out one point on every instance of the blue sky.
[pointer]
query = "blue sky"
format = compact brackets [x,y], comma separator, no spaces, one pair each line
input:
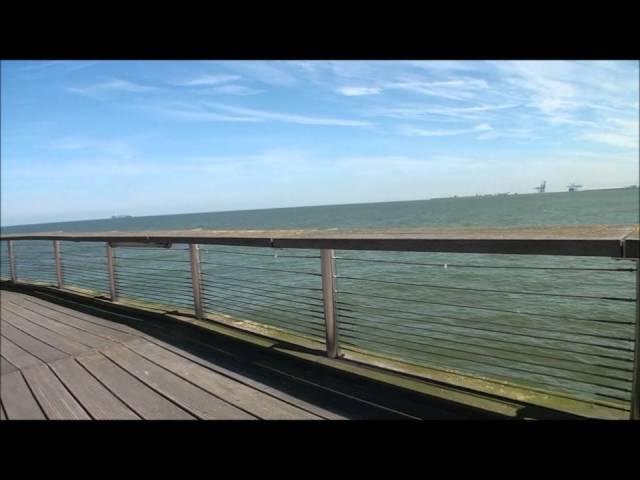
[90,139]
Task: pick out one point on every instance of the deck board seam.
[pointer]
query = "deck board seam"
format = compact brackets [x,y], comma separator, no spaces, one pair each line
[49,329]
[69,354]
[33,395]
[191,382]
[6,339]
[137,379]
[216,369]
[101,335]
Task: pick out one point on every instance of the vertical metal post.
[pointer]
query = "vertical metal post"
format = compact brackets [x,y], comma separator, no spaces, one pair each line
[196,278]
[328,268]
[58,258]
[111,269]
[635,389]
[12,262]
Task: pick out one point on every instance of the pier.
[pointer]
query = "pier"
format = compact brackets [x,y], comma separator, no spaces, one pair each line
[317,324]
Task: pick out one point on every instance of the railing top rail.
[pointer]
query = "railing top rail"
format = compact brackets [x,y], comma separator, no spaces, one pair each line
[580,240]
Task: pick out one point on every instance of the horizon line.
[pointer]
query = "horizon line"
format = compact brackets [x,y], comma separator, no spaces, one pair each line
[319,206]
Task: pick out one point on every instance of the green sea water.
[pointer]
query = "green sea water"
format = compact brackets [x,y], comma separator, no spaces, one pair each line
[613,206]
[563,324]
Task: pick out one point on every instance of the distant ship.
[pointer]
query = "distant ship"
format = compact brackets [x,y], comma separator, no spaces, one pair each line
[118,217]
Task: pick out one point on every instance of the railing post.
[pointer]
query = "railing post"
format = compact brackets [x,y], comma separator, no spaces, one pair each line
[111,269]
[328,268]
[635,389]
[58,258]
[12,262]
[196,278]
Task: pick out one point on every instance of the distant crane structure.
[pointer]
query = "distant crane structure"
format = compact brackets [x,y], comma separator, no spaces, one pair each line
[542,187]
[573,187]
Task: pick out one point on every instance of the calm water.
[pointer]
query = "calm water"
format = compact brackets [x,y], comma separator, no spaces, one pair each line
[594,206]
[553,323]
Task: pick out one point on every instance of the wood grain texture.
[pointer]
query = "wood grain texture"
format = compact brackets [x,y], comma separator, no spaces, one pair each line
[593,240]
[147,403]
[53,397]
[183,393]
[94,397]
[17,400]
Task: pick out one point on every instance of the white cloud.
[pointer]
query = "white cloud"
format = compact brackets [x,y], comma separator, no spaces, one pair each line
[210,80]
[409,130]
[98,90]
[359,91]
[239,90]
[290,117]
[265,72]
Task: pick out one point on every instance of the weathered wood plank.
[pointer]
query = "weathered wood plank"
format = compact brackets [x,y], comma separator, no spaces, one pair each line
[3,416]
[17,399]
[35,347]
[16,355]
[74,334]
[53,339]
[596,240]
[147,403]
[6,366]
[99,402]
[96,320]
[243,372]
[53,397]
[195,400]
[251,400]
[79,323]
[239,371]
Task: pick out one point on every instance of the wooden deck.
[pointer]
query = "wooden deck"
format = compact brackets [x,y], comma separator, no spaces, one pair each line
[63,363]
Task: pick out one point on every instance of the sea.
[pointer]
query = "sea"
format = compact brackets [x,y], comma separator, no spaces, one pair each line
[563,325]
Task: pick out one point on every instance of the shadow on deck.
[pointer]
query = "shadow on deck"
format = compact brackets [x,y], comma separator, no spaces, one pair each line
[64,356]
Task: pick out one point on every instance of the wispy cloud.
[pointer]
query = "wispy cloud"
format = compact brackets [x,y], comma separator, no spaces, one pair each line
[238,90]
[265,115]
[359,91]
[413,131]
[265,72]
[112,148]
[210,80]
[99,90]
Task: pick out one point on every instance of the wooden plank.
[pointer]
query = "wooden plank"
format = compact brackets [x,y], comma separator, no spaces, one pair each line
[249,399]
[237,371]
[592,240]
[78,322]
[6,366]
[195,400]
[17,399]
[35,347]
[99,402]
[16,355]
[71,333]
[3,416]
[147,403]
[96,320]
[53,397]
[53,339]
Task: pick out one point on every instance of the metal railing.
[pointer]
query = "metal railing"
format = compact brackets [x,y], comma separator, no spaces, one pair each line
[553,323]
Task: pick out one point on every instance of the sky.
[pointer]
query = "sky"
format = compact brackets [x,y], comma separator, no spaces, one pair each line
[92,139]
